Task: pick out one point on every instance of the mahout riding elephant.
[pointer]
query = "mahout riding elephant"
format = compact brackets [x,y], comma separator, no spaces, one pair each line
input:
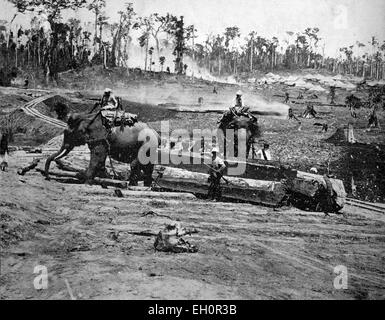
[136,145]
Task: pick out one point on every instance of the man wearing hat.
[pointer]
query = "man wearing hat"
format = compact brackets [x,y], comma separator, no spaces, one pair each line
[108,100]
[264,153]
[238,99]
[217,168]
[237,110]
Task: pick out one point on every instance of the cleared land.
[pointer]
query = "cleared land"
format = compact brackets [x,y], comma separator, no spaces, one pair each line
[84,234]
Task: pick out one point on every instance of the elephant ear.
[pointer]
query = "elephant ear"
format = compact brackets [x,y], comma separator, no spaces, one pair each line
[74,120]
[70,120]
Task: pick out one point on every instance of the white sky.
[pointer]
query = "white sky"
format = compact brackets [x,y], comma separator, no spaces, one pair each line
[341,22]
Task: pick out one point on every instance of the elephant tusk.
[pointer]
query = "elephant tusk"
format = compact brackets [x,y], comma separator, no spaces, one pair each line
[60,155]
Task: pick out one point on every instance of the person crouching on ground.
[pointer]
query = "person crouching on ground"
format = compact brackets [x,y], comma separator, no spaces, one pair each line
[4,151]
[264,153]
[216,171]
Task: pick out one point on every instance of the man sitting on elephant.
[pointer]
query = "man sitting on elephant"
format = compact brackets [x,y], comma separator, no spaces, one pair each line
[108,100]
[113,113]
[239,108]
[236,111]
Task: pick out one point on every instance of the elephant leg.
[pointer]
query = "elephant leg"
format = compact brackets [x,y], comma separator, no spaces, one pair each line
[97,162]
[236,144]
[148,169]
[135,172]
[64,150]
[248,147]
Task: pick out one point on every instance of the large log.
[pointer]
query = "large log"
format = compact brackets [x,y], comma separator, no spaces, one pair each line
[253,168]
[316,186]
[305,186]
[24,170]
[97,180]
[255,191]
[67,166]
[143,193]
[60,173]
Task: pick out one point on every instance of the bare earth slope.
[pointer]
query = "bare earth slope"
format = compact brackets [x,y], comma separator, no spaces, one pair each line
[83,234]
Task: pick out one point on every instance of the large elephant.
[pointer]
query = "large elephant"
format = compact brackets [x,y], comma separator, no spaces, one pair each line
[131,144]
[242,121]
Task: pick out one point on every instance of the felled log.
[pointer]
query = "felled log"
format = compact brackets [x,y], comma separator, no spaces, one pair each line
[60,174]
[66,166]
[24,170]
[149,233]
[120,170]
[111,183]
[253,168]
[145,193]
[255,191]
[308,188]
[97,180]
[326,193]
[72,181]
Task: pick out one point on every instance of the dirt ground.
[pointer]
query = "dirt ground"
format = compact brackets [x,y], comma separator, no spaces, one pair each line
[85,235]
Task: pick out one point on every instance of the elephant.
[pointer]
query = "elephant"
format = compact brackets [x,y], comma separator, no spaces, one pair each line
[243,121]
[129,144]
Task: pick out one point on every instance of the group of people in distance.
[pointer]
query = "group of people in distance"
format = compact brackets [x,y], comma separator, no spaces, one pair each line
[351,102]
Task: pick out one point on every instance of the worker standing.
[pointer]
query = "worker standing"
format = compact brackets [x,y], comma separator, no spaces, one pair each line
[4,151]
[287,97]
[216,171]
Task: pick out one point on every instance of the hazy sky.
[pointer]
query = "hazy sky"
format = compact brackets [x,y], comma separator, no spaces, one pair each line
[341,22]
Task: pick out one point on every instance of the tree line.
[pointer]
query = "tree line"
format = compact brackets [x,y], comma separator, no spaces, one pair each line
[221,56]
[52,45]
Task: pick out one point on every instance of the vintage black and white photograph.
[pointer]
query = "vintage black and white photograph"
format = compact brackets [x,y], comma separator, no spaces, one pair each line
[192,150]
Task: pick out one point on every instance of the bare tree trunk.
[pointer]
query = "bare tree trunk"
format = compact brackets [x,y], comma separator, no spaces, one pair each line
[100,33]
[104,57]
[38,50]
[27,54]
[150,61]
[96,32]
[145,60]
[383,70]
[251,55]
[371,68]
[158,47]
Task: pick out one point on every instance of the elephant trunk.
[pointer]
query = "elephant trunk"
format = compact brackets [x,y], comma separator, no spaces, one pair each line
[64,150]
